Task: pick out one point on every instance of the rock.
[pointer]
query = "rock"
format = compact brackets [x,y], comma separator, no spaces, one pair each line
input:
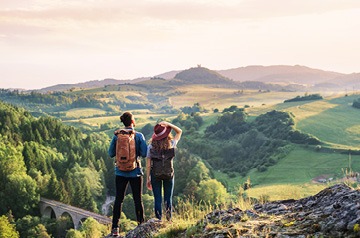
[147,229]
[333,212]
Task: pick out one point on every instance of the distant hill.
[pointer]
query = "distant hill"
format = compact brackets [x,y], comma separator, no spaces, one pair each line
[349,80]
[90,84]
[296,77]
[280,73]
[201,75]
[169,75]
[104,82]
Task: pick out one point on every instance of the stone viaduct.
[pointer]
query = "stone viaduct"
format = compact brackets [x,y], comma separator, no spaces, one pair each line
[54,209]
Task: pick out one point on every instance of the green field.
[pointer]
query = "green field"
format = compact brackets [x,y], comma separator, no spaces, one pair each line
[338,125]
[303,165]
[84,112]
[301,170]
[333,120]
[220,98]
[285,191]
[142,117]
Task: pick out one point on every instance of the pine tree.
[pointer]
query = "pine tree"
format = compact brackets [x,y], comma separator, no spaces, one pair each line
[7,230]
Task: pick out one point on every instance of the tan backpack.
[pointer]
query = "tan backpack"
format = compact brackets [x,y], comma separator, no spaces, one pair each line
[125,150]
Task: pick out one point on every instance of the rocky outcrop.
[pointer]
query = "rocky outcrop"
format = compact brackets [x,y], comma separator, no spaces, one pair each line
[146,230]
[333,212]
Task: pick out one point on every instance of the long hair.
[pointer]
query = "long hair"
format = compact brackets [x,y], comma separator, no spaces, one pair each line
[163,144]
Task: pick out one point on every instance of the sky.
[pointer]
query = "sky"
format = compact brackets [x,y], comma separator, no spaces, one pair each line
[44,43]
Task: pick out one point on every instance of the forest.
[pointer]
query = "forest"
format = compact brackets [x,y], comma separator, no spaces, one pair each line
[43,157]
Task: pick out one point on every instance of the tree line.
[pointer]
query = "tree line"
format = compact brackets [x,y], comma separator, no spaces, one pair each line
[306,97]
[51,103]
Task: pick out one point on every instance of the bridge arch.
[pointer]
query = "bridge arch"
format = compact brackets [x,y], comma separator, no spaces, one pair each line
[66,215]
[54,209]
[48,212]
[81,222]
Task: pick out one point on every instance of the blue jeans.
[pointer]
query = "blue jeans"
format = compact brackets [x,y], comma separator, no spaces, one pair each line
[157,185]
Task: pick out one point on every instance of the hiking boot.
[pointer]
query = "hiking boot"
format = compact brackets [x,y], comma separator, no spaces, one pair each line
[115,232]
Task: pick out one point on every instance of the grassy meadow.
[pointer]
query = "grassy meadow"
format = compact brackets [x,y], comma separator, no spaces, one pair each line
[142,117]
[338,125]
[220,98]
[284,191]
[333,120]
[302,167]
[84,112]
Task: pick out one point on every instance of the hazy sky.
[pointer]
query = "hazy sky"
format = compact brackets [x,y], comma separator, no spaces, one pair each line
[48,42]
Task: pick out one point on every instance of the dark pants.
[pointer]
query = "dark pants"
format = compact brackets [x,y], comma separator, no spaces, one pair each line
[157,185]
[136,188]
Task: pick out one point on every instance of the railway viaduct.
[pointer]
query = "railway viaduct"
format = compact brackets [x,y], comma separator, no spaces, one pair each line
[54,209]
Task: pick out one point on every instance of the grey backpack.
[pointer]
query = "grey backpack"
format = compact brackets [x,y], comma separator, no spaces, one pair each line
[162,163]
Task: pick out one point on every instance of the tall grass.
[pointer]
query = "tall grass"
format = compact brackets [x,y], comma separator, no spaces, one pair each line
[189,218]
[188,215]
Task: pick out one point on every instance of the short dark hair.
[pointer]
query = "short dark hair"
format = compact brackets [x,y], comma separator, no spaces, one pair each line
[126,118]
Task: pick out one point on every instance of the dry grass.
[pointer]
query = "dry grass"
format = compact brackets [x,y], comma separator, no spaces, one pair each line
[220,98]
[285,191]
[142,117]
[84,112]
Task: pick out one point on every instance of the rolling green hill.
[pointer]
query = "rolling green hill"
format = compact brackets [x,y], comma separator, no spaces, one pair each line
[332,120]
[240,136]
[335,123]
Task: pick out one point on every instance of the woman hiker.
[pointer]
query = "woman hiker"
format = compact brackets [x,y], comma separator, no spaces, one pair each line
[159,166]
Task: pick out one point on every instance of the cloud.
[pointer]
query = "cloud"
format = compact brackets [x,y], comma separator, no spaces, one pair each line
[155,19]
[128,38]
[195,10]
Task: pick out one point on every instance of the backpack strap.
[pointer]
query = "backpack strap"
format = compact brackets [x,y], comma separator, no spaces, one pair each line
[124,131]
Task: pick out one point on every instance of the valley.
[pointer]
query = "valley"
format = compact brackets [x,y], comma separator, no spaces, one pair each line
[247,141]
